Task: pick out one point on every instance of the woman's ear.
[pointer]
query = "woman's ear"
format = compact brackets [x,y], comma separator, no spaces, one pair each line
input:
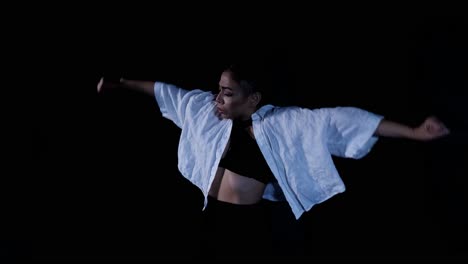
[255,98]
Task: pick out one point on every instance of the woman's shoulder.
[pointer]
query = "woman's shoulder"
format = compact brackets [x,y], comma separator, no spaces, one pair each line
[295,115]
[276,111]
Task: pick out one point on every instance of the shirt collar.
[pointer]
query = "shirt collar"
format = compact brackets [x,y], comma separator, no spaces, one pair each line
[261,112]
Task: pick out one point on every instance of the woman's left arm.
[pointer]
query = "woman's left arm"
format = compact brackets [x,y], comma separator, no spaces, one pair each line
[431,128]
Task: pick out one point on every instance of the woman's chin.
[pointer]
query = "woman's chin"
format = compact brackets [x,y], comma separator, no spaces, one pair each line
[221,115]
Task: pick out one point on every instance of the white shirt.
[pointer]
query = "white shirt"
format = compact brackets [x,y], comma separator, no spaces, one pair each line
[297,143]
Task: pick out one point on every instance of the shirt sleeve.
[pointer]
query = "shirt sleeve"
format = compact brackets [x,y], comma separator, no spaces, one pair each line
[173,101]
[350,131]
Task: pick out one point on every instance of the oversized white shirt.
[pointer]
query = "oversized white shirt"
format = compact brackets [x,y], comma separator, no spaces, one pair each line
[297,143]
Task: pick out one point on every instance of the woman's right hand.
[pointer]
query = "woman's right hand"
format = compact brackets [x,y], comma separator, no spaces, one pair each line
[107,85]
[146,87]
[99,85]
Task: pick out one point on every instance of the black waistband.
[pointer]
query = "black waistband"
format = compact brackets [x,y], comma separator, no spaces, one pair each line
[213,202]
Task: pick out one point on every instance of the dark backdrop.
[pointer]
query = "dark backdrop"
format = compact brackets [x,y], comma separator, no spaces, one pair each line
[104,180]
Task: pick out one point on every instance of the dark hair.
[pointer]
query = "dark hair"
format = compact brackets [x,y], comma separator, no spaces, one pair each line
[252,77]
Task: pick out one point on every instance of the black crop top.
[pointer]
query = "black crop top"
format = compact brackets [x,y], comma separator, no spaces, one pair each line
[244,157]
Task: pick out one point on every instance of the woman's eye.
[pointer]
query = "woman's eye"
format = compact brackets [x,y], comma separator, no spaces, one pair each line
[220,89]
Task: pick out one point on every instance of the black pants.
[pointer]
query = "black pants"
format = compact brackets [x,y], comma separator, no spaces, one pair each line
[232,231]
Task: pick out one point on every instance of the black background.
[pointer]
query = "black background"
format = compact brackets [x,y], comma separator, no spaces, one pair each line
[104,182]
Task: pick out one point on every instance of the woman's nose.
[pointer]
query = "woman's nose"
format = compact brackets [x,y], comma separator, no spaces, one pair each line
[219,98]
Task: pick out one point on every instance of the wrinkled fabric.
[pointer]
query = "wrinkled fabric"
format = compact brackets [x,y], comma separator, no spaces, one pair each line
[297,143]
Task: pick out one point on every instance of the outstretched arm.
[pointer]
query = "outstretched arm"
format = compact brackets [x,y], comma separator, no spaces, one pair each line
[351,132]
[174,102]
[146,87]
[431,128]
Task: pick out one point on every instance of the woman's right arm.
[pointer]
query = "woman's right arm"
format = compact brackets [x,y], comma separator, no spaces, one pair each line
[173,101]
[146,87]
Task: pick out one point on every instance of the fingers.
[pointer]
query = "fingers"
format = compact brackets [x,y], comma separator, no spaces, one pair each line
[99,85]
[434,128]
[440,127]
[438,130]
[444,130]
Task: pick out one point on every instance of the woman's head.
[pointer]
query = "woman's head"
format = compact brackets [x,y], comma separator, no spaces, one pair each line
[240,91]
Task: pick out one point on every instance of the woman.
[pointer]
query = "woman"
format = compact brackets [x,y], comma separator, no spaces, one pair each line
[253,152]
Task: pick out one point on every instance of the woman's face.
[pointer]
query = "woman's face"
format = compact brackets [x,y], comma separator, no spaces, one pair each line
[230,101]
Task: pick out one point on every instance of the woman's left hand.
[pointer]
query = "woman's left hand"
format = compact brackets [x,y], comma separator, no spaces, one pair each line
[431,128]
